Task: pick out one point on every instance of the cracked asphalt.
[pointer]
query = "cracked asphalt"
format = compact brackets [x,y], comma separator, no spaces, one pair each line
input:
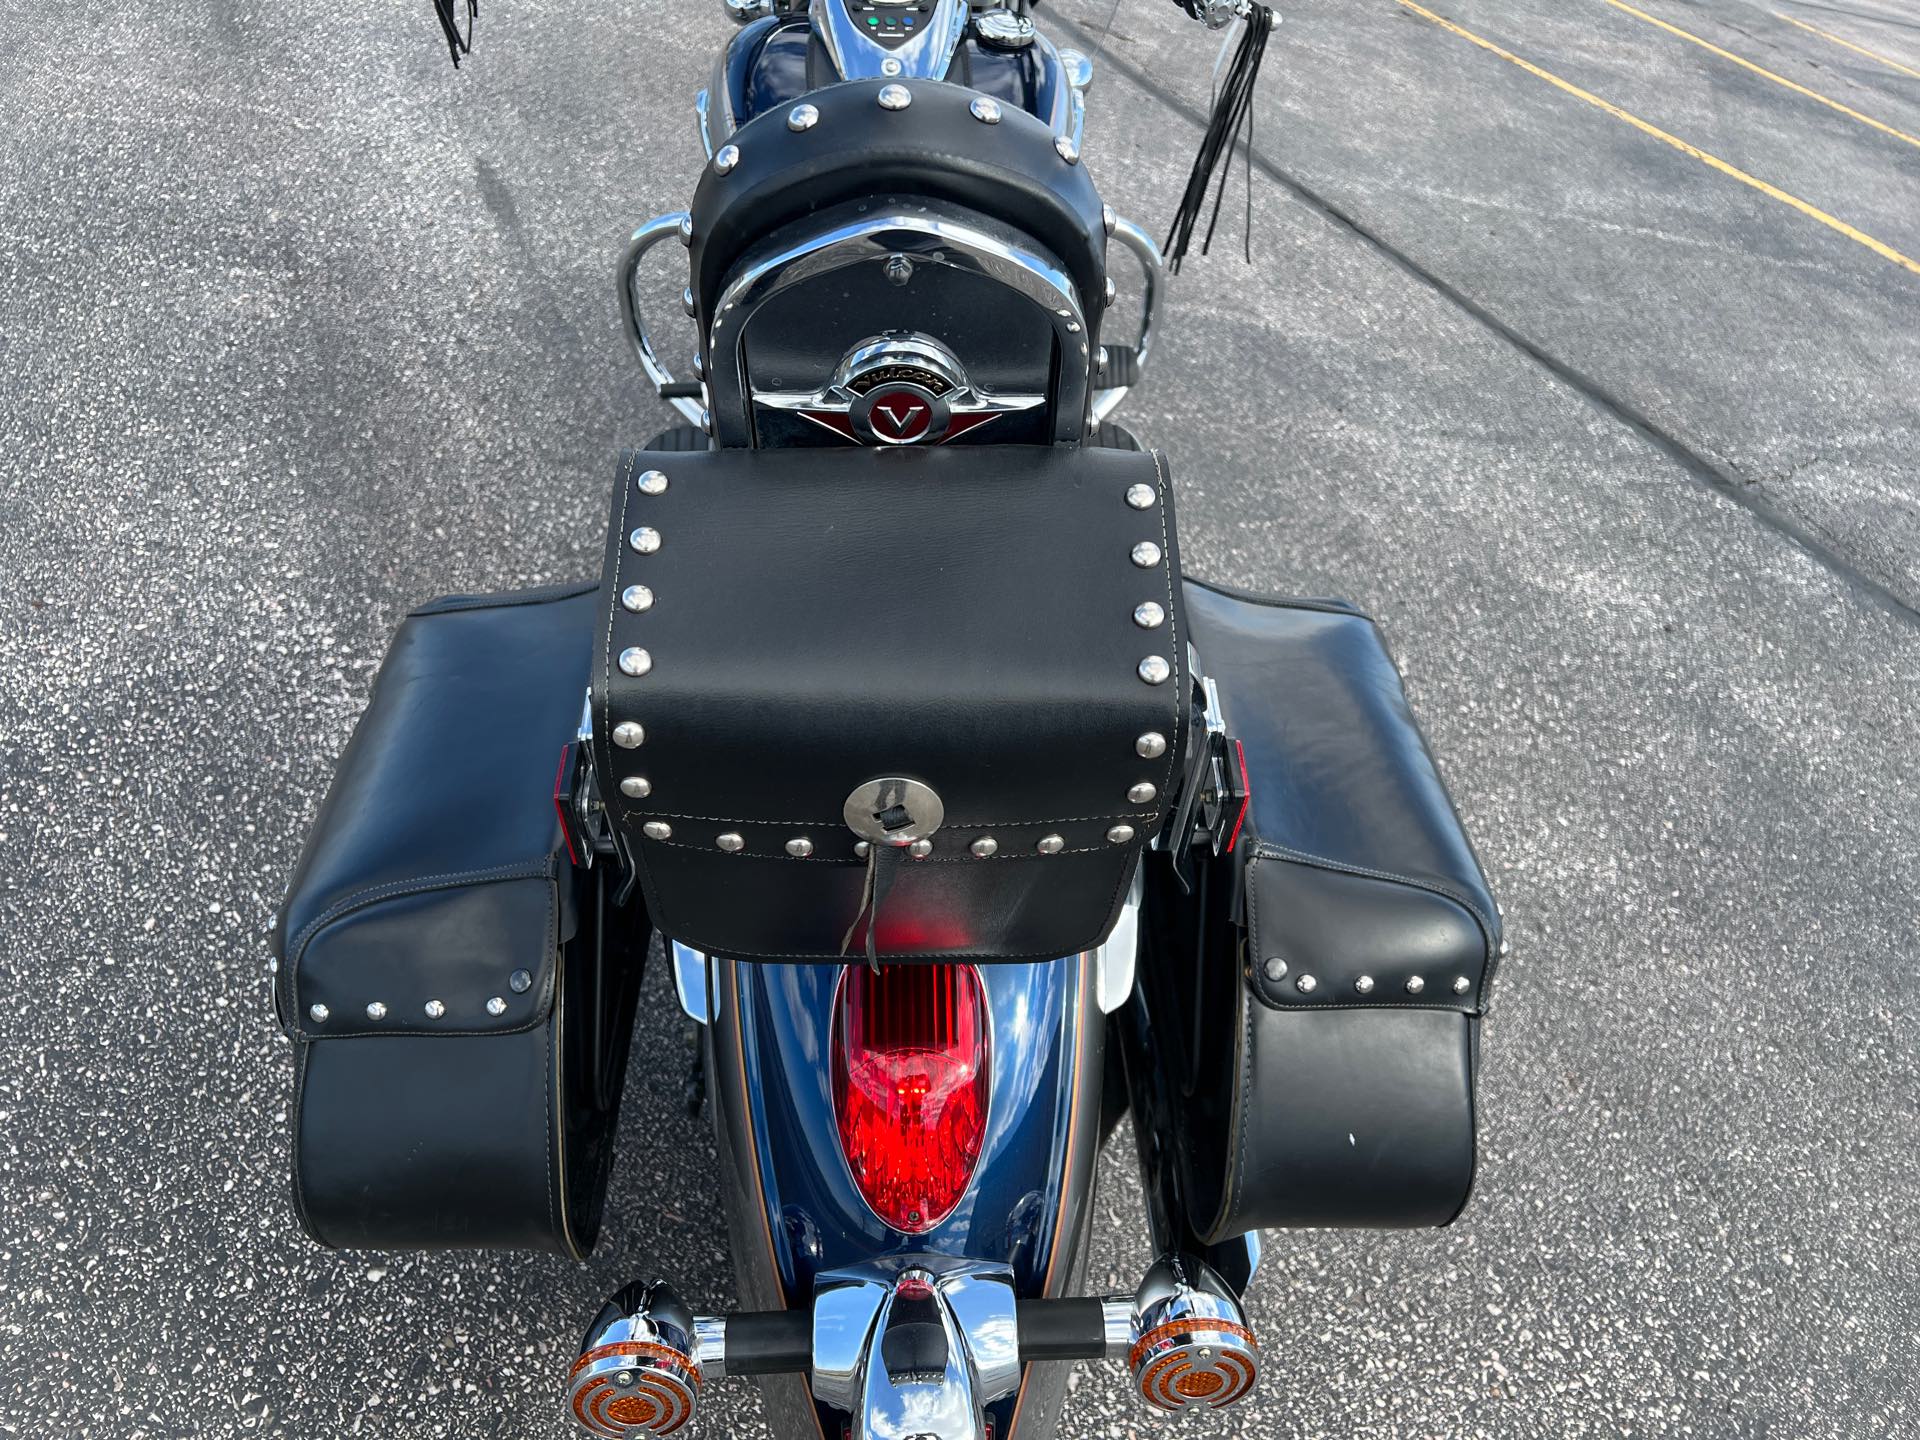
[297,328]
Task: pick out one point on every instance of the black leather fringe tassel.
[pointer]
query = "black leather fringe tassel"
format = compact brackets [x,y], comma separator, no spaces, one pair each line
[458,43]
[1232,114]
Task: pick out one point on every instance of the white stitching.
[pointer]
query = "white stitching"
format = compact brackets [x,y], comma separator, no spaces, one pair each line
[1173,615]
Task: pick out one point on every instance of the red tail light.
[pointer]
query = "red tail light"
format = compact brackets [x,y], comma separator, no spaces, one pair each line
[910,1087]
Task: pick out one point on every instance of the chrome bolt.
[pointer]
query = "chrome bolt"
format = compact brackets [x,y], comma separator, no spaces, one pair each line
[1109,221]
[1112,291]
[687,302]
[899,269]
[686,230]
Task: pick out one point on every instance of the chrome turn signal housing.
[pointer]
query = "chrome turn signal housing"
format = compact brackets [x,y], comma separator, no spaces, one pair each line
[638,1372]
[1191,1344]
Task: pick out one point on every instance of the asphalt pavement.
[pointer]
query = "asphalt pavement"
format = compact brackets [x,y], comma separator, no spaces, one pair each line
[1579,352]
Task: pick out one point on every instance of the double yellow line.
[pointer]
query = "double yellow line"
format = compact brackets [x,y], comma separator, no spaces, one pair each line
[1772,192]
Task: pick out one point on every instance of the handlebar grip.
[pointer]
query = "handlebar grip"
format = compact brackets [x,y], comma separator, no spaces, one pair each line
[1072,1329]
[769,1342]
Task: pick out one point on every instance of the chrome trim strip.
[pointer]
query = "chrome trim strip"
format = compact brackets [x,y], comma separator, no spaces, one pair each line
[700,108]
[644,239]
[1115,957]
[933,235]
[925,57]
[698,999]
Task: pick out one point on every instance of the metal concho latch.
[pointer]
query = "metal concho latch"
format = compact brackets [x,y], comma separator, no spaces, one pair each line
[894,810]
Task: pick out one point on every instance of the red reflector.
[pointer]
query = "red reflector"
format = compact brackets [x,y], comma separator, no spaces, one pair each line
[910,1087]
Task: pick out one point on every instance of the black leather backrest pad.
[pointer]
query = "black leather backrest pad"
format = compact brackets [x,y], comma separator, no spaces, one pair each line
[932,150]
[821,618]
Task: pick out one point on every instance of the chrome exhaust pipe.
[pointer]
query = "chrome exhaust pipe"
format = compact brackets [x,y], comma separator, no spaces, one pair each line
[639,1371]
[1190,1345]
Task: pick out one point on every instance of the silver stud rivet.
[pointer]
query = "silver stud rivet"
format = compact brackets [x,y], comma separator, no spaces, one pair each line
[497,1005]
[1109,221]
[920,849]
[862,848]
[1111,292]
[628,735]
[1150,746]
[725,158]
[636,787]
[1306,984]
[1364,984]
[657,830]
[652,482]
[1120,834]
[434,1009]
[1461,984]
[1051,845]
[799,847]
[686,230]
[1140,497]
[1149,616]
[1275,969]
[635,661]
[985,109]
[688,303]
[803,117]
[319,1014]
[895,97]
[890,66]
[1142,793]
[1146,554]
[273,964]
[520,981]
[985,846]
[1155,669]
[376,1011]
[1416,985]
[637,598]
[730,842]
[645,540]
[1505,946]
[1068,151]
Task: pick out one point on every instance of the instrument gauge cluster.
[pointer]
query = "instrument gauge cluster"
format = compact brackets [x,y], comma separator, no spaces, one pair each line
[890,23]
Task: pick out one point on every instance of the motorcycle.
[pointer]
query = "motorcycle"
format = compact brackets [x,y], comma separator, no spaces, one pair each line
[1255,923]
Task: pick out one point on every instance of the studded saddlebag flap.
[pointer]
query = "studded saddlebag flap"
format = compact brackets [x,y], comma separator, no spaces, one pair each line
[459,992]
[1347,939]
[814,657]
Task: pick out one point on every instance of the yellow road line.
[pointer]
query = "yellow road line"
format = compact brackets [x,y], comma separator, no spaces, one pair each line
[1773,192]
[1797,88]
[1870,54]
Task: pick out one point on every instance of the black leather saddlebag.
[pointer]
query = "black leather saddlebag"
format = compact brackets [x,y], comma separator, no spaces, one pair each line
[914,704]
[459,991]
[1346,937]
